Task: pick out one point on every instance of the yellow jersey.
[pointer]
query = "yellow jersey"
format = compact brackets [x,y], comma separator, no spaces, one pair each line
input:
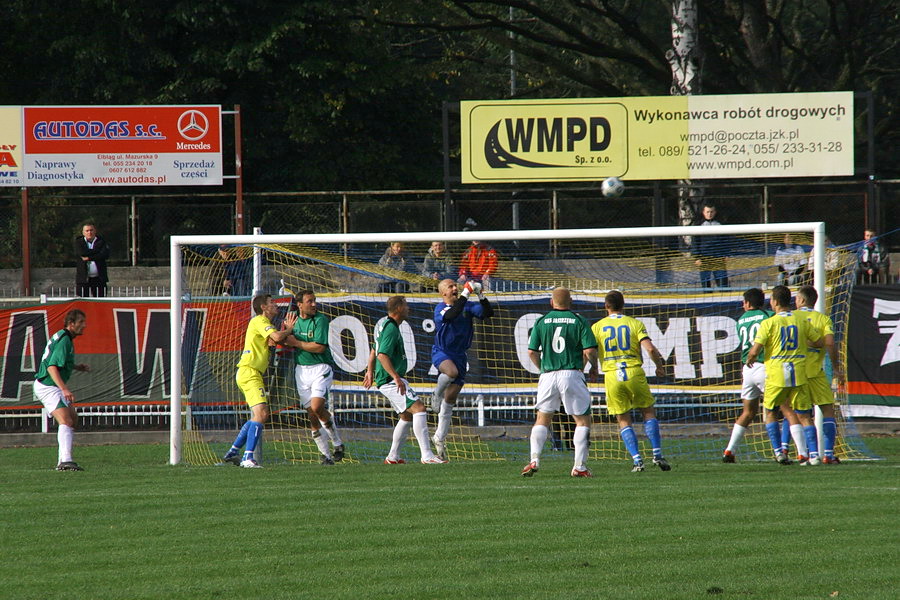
[815,362]
[256,346]
[619,341]
[784,337]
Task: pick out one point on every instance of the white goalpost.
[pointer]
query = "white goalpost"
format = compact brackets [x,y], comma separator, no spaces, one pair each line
[651,265]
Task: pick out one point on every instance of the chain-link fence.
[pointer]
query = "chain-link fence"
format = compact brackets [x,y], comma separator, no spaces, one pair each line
[137,227]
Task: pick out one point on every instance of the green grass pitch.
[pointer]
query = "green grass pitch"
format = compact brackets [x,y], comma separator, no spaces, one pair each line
[132,527]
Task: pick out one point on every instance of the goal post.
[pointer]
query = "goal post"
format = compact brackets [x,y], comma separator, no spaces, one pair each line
[653,267]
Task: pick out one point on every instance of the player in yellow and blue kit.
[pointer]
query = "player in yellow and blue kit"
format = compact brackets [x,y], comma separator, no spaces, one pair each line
[785,339]
[620,339]
[250,369]
[818,385]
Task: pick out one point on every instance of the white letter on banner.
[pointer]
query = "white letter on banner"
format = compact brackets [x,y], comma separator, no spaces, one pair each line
[675,338]
[711,346]
[522,335]
[360,343]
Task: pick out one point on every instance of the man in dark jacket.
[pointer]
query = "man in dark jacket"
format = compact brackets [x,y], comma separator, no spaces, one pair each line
[91,251]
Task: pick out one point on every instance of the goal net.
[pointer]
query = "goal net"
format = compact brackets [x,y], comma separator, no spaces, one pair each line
[687,293]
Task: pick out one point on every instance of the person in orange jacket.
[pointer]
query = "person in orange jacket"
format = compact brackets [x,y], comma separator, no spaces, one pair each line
[479,261]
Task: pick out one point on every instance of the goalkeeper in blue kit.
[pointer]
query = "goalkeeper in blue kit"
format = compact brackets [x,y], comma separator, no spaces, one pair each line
[454,330]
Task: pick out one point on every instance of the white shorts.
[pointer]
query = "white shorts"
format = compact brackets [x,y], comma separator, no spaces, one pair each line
[399,402]
[753,381]
[313,381]
[566,387]
[50,396]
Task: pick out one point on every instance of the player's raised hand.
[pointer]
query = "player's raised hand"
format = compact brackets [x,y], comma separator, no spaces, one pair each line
[289,320]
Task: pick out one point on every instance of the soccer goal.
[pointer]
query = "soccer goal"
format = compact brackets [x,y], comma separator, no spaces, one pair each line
[689,302]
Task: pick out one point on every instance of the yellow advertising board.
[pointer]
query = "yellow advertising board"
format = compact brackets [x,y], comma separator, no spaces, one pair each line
[658,137]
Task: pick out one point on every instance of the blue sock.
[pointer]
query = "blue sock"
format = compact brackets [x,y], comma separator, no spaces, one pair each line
[785,436]
[774,432]
[829,432]
[240,440]
[651,429]
[253,432]
[631,443]
[812,443]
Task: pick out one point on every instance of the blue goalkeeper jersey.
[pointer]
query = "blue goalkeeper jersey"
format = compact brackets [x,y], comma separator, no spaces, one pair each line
[454,337]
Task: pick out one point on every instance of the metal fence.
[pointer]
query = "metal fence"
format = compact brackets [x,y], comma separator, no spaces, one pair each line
[138,227]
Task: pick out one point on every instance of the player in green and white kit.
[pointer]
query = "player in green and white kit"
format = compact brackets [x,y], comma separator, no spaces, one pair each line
[387,363]
[561,345]
[753,380]
[57,364]
[314,374]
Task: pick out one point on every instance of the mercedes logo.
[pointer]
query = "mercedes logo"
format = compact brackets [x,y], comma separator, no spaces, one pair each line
[192,125]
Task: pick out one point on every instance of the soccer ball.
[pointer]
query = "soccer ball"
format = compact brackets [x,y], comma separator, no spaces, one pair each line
[612,187]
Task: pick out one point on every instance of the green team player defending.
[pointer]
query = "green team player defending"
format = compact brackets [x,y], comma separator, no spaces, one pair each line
[314,374]
[561,344]
[785,339]
[817,384]
[387,364]
[753,379]
[620,339]
[57,364]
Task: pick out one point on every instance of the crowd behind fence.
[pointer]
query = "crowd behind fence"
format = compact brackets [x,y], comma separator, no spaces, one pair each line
[138,227]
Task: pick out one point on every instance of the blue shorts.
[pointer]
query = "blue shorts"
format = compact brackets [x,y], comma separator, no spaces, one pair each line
[460,361]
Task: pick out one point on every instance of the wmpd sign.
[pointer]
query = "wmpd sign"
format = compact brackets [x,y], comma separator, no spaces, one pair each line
[664,137]
[44,146]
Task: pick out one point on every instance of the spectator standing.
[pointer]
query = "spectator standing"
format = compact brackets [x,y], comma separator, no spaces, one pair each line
[872,259]
[92,252]
[710,252]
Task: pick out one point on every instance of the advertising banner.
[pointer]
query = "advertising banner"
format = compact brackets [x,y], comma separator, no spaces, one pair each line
[127,346]
[661,137]
[873,352]
[62,146]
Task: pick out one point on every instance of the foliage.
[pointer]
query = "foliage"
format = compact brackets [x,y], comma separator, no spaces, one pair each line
[347,95]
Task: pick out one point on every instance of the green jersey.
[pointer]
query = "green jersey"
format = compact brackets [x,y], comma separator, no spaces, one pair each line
[313,329]
[388,341]
[59,353]
[561,337]
[747,326]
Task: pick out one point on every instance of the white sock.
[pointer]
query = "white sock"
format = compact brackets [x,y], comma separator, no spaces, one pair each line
[445,417]
[321,440]
[332,430]
[580,441]
[799,439]
[441,387]
[737,434]
[400,432]
[64,438]
[538,437]
[420,429]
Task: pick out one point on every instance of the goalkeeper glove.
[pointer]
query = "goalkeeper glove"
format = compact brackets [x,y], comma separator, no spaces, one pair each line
[471,287]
